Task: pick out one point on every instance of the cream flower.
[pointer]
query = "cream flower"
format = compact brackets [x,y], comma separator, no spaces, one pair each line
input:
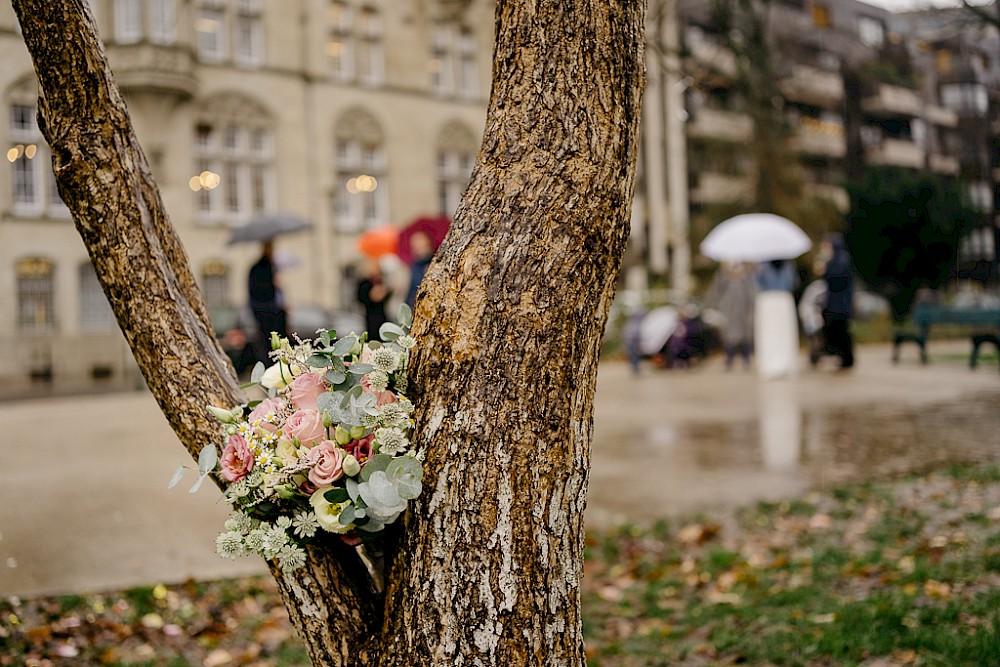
[327,513]
[279,376]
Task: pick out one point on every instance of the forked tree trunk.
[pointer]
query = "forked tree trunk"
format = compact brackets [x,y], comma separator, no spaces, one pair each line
[509,324]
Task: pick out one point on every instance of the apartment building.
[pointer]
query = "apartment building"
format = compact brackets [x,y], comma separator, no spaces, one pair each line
[244,107]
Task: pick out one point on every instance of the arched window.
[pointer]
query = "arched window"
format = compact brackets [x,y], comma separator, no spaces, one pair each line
[361,199]
[35,295]
[32,184]
[234,160]
[456,156]
[96,315]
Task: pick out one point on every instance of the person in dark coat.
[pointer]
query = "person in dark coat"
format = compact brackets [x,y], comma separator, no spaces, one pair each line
[839,307]
[267,303]
[423,253]
[373,295]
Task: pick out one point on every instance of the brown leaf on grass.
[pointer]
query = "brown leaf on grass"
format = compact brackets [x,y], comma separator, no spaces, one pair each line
[698,533]
[937,589]
[218,658]
[820,522]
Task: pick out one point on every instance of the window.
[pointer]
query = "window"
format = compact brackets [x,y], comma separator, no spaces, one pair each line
[135,19]
[162,21]
[128,21]
[820,15]
[453,62]
[965,98]
[243,19]
[96,315]
[32,182]
[354,44]
[456,156]
[871,31]
[361,193]
[215,285]
[35,295]
[234,167]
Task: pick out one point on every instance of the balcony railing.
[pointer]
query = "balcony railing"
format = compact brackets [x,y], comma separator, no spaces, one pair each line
[944,164]
[813,86]
[145,66]
[832,193]
[895,153]
[719,125]
[820,138]
[942,116]
[890,100]
[715,188]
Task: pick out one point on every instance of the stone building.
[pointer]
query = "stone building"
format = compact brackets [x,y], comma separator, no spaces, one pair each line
[244,107]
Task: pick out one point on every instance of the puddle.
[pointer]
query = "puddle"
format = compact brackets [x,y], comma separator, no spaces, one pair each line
[786,451]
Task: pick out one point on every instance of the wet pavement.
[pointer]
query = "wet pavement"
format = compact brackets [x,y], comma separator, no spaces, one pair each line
[84,504]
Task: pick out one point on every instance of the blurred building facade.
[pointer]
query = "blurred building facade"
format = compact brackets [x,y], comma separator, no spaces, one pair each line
[244,107]
[850,86]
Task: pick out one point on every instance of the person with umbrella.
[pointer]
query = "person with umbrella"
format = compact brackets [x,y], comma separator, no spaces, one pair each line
[267,302]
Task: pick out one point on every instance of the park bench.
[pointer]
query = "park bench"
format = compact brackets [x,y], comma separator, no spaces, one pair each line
[984,324]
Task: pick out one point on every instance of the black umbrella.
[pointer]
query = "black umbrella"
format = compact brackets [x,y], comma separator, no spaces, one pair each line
[266,226]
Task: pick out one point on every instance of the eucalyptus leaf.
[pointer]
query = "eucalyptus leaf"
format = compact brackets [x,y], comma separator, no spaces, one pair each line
[374,525]
[197,484]
[257,373]
[377,463]
[344,345]
[335,377]
[346,517]
[177,476]
[352,489]
[360,369]
[380,494]
[324,337]
[390,331]
[336,495]
[207,459]
[317,361]
[405,316]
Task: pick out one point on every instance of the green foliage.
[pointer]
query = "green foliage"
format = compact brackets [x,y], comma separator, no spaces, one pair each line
[903,232]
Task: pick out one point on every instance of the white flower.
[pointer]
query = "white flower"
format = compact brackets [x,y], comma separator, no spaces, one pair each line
[291,557]
[406,342]
[327,513]
[278,376]
[378,380]
[275,540]
[391,441]
[305,524]
[283,522]
[229,544]
[394,415]
[239,522]
[385,359]
[255,540]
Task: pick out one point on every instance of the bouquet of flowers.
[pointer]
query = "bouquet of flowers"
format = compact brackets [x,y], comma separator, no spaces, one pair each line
[327,451]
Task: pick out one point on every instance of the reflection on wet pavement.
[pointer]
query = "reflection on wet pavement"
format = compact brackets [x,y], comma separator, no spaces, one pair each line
[787,450]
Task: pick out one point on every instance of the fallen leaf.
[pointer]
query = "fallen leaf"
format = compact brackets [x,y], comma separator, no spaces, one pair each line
[217,658]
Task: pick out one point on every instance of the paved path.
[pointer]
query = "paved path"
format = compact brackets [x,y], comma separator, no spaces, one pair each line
[83,503]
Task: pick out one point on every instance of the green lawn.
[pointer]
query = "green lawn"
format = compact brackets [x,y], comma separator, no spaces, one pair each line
[900,573]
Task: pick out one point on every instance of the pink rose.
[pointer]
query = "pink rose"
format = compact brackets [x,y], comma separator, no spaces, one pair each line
[263,409]
[305,389]
[307,426]
[237,459]
[327,463]
[361,449]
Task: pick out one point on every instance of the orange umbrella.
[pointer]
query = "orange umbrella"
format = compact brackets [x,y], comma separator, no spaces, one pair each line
[378,242]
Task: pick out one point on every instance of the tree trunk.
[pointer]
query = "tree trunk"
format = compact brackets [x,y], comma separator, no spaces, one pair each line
[509,320]
[509,325]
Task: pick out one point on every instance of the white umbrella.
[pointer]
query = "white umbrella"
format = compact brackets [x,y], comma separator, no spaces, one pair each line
[655,329]
[755,237]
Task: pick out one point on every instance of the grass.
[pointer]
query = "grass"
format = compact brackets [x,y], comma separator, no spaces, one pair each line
[905,572]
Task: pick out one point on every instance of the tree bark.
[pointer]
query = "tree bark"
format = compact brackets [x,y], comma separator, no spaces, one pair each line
[509,322]
[509,325]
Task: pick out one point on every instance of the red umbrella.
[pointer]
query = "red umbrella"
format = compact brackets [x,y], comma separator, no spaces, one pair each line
[435,228]
[378,242]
